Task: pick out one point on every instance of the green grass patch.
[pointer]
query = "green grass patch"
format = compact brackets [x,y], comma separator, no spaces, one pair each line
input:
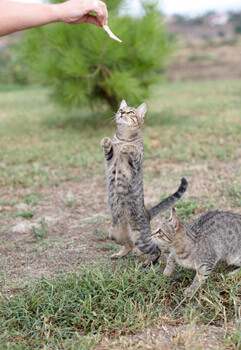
[40,233]
[103,300]
[28,214]
[32,198]
[186,209]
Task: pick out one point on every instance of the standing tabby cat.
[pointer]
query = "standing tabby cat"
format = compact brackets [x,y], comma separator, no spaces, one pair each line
[215,236]
[124,155]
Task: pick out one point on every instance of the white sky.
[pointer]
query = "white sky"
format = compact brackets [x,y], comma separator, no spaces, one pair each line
[181,6]
[190,6]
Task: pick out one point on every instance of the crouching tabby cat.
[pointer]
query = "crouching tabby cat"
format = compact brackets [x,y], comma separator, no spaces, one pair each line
[124,155]
[215,236]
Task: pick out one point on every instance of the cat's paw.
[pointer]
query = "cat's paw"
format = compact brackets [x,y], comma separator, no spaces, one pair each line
[150,261]
[189,291]
[106,142]
[115,256]
[167,272]
[129,149]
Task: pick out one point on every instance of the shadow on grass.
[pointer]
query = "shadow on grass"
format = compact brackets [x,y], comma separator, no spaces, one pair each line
[104,118]
[80,119]
[168,118]
[15,87]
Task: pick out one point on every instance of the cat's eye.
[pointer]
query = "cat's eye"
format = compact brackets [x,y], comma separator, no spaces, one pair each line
[131,112]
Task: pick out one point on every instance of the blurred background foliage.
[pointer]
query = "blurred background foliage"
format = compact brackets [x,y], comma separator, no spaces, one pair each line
[12,65]
[84,67]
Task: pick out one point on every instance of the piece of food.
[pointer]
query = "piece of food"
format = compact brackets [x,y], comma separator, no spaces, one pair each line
[112,35]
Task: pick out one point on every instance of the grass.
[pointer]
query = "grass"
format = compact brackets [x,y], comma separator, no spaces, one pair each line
[113,302]
[32,199]
[189,126]
[234,193]
[41,232]
[41,144]
[26,214]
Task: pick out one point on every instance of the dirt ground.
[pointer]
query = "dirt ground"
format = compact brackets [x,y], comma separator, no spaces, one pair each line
[207,61]
[77,219]
[171,336]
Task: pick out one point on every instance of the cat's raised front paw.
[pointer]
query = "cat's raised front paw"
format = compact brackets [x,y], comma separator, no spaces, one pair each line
[106,142]
[129,149]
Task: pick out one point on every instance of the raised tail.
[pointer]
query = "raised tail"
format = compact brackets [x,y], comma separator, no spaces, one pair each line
[169,202]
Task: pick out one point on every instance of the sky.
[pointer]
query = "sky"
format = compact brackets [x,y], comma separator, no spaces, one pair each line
[190,6]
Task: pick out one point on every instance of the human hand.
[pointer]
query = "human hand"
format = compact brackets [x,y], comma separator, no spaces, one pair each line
[78,11]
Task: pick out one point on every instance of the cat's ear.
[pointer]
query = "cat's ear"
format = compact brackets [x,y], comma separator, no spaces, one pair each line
[123,104]
[175,219]
[142,109]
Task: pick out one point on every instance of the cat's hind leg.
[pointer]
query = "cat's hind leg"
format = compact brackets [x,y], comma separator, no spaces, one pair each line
[120,232]
[144,242]
[113,231]
[123,252]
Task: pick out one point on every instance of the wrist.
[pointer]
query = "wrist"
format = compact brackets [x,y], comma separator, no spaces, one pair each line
[56,13]
[60,12]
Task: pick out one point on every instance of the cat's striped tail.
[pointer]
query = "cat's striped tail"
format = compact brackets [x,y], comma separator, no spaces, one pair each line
[169,202]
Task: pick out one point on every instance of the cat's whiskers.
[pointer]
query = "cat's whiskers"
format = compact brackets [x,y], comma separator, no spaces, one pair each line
[110,120]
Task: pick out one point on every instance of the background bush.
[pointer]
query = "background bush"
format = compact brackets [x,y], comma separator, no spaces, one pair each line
[12,67]
[84,66]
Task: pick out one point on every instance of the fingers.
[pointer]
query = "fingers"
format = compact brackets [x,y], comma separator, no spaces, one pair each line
[92,19]
[99,7]
[78,11]
[105,12]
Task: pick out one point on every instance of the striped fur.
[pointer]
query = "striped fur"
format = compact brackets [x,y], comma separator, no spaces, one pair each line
[215,236]
[124,156]
[169,202]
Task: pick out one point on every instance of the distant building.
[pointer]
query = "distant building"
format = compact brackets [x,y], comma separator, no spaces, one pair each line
[193,32]
[217,19]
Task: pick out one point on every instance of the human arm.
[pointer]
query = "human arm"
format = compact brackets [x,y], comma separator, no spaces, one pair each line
[15,16]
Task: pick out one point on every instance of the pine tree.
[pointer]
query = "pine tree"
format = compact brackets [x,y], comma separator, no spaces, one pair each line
[85,67]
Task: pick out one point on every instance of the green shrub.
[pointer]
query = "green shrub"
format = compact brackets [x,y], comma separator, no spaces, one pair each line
[84,66]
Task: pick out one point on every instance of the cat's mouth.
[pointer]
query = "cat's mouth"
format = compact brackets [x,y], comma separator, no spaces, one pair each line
[161,235]
[123,121]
